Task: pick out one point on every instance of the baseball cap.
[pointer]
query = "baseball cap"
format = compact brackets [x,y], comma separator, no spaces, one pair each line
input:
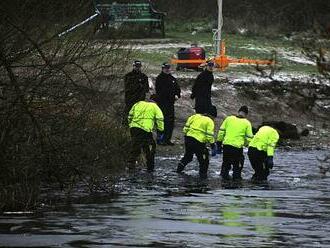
[166,65]
[137,63]
[210,63]
[244,109]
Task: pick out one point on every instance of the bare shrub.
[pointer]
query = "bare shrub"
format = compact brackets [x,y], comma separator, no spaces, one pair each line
[57,122]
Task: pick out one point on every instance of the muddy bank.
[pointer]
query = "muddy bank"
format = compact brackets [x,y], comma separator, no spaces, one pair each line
[304,104]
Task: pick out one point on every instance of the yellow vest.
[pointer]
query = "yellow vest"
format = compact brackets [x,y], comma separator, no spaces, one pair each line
[265,140]
[200,127]
[144,115]
[235,131]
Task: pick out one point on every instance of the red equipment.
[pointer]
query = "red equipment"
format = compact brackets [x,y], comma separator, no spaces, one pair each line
[194,52]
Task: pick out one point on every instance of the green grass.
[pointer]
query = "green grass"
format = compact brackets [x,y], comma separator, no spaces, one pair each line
[237,46]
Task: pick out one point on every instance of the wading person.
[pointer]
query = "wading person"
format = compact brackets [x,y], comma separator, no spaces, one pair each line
[141,119]
[235,132]
[201,90]
[261,152]
[136,87]
[198,131]
[167,89]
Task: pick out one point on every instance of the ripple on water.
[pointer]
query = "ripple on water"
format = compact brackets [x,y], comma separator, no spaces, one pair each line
[169,210]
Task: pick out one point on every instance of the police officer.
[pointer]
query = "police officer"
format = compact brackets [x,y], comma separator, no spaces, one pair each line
[261,152]
[167,89]
[198,130]
[201,90]
[235,132]
[141,119]
[136,86]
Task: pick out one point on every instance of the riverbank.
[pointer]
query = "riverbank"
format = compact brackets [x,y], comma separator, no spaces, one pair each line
[305,104]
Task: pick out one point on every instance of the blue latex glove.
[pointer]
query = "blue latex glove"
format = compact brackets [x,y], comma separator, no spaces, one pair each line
[219,147]
[160,138]
[214,149]
[269,162]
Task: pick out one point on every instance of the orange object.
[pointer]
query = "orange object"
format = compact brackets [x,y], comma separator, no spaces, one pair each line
[223,61]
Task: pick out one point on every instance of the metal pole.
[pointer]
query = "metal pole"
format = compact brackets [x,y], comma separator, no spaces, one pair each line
[218,33]
[79,24]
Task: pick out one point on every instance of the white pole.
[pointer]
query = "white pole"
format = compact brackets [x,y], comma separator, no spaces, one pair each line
[218,34]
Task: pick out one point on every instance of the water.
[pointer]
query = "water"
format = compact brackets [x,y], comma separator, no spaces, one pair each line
[169,210]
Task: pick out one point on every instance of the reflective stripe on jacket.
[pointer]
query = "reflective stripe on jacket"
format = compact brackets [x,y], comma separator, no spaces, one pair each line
[145,115]
[235,131]
[265,140]
[200,127]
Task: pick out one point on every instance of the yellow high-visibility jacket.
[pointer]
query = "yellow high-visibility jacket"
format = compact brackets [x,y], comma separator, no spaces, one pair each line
[200,127]
[145,115]
[265,140]
[235,131]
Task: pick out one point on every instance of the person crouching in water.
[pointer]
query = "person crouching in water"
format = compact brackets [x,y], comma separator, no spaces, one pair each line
[235,132]
[261,152]
[199,131]
[141,119]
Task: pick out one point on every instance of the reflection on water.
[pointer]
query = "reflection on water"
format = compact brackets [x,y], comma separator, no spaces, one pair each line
[170,210]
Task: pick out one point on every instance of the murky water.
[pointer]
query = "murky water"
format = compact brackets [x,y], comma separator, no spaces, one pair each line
[170,210]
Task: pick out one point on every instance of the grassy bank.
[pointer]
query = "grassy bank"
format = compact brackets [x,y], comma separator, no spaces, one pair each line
[288,49]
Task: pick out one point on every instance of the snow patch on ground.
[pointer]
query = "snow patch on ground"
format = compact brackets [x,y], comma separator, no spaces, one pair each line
[250,78]
[149,47]
[185,92]
[294,56]
[255,48]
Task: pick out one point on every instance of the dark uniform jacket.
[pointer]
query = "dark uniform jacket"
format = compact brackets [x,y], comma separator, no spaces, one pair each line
[166,89]
[201,91]
[136,87]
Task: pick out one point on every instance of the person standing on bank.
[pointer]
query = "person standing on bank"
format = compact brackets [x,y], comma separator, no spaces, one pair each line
[201,90]
[136,87]
[167,89]
[235,132]
[199,131]
[142,118]
[261,152]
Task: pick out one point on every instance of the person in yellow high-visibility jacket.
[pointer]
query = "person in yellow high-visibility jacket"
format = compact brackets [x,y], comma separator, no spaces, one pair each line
[142,118]
[261,152]
[198,131]
[235,132]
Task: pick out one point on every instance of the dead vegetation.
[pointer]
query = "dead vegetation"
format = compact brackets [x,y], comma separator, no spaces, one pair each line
[57,126]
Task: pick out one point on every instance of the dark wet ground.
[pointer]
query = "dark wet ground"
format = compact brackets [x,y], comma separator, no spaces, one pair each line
[170,210]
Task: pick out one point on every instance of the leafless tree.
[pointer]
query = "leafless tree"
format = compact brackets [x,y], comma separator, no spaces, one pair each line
[57,118]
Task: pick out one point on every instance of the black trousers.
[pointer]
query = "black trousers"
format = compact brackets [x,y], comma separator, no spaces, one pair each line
[128,106]
[142,141]
[232,156]
[257,159]
[193,146]
[168,112]
[202,104]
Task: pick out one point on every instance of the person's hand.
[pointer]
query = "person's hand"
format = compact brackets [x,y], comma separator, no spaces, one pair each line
[213,149]
[219,147]
[160,137]
[269,162]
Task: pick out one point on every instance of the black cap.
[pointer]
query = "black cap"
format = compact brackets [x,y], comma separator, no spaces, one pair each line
[137,63]
[210,63]
[166,65]
[244,109]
